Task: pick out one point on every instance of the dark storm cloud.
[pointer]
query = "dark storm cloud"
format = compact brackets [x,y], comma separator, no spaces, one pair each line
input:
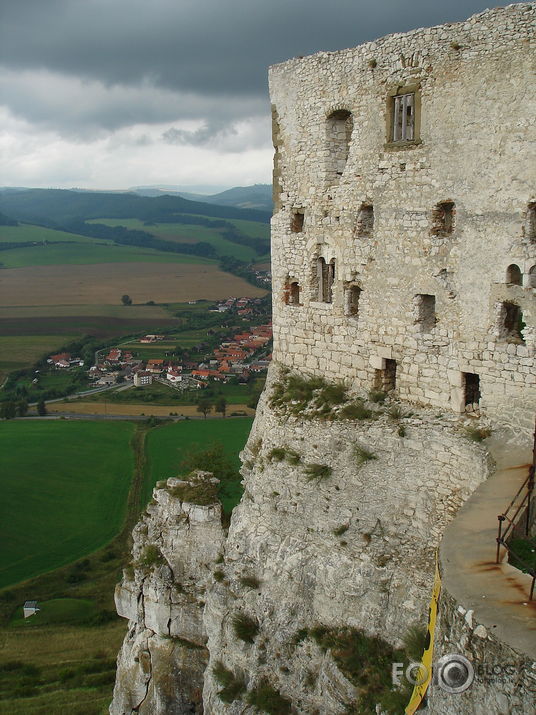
[210,54]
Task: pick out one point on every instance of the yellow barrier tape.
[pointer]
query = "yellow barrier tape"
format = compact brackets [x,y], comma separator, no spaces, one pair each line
[419,691]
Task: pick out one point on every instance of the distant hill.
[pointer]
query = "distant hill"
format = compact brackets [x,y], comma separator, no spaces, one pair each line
[258,196]
[60,208]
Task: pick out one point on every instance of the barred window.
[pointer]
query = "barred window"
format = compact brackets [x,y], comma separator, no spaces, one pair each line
[403,117]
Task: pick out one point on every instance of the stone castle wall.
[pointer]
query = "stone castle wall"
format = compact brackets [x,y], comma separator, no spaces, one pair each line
[335,160]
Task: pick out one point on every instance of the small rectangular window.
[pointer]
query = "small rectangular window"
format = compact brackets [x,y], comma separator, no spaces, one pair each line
[403,117]
[296,224]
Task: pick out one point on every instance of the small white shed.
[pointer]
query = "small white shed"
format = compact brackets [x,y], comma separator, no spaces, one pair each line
[30,608]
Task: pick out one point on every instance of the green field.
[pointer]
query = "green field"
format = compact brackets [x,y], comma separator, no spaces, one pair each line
[192,233]
[88,252]
[64,491]
[167,446]
[29,232]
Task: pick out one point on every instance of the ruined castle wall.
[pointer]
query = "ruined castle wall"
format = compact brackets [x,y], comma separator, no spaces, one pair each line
[467,78]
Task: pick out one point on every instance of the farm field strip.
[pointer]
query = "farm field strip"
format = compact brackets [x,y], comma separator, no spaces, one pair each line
[29,233]
[188,233]
[142,409]
[64,487]
[171,281]
[22,351]
[132,312]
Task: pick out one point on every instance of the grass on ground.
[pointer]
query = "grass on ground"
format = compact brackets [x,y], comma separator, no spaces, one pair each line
[65,489]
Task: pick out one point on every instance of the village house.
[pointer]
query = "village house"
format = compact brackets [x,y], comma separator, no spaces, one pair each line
[142,378]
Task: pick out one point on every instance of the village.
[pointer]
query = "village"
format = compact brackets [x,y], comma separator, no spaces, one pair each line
[238,357]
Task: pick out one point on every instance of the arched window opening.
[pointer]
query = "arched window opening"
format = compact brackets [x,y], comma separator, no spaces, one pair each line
[532,277]
[365,221]
[443,215]
[296,223]
[339,127]
[326,277]
[353,294]
[529,228]
[514,275]
[511,323]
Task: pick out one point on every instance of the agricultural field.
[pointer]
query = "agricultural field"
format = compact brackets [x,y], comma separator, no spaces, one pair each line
[193,233]
[21,351]
[167,446]
[105,283]
[27,232]
[64,487]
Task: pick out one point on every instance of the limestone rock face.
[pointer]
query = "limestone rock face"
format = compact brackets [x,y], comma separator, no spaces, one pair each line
[176,543]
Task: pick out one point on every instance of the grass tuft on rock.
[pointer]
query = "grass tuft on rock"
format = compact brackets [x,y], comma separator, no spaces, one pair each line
[317,472]
[245,627]
[268,700]
[232,685]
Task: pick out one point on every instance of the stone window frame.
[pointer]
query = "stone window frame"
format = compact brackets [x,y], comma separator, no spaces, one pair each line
[443,219]
[297,220]
[352,306]
[339,116]
[396,91]
[292,292]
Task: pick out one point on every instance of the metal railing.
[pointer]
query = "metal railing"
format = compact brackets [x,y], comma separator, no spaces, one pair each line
[523,500]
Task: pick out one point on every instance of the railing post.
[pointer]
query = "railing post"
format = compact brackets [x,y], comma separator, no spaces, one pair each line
[532,587]
[501,518]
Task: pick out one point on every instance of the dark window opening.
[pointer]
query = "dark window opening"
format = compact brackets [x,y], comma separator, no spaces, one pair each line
[326,278]
[471,390]
[296,224]
[511,323]
[385,380]
[403,117]
[425,312]
[529,229]
[514,275]
[443,219]
[365,221]
[353,294]
[339,129]
[292,293]
[532,277]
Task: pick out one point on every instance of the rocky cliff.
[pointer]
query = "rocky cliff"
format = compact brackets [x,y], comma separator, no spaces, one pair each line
[337,529]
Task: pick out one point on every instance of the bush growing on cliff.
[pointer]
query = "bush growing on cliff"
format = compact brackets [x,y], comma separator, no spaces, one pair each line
[202,493]
[415,642]
[284,453]
[318,472]
[362,455]
[150,556]
[245,627]
[268,699]
[232,686]
[356,411]
[477,434]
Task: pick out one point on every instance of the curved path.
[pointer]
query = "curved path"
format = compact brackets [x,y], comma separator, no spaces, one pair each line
[497,593]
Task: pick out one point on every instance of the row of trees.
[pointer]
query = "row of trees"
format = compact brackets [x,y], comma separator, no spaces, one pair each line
[205,405]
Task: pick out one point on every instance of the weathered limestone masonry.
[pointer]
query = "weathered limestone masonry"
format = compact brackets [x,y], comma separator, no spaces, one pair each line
[432,238]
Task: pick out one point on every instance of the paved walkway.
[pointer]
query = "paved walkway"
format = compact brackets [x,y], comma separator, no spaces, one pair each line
[497,593]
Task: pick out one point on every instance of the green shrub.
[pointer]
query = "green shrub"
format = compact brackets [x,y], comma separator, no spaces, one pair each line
[525,550]
[356,411]
[317,471]
[284,453]
[362,455]
[218,575]
[269,700]
[277,453]
[414,642]
[477,434]
[331,394]
[202,493]
[249,581]
[150,556]
[233,687]
[340,530]
[245,627]
[395,412]
[401,431]
[377,396]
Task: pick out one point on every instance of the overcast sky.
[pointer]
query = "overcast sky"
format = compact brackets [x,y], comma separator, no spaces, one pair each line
[118,93]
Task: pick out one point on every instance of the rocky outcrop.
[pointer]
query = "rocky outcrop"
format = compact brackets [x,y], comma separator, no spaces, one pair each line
[176,544]
[337,528]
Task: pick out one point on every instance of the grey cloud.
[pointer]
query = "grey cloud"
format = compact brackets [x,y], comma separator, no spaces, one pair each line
[199,45]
